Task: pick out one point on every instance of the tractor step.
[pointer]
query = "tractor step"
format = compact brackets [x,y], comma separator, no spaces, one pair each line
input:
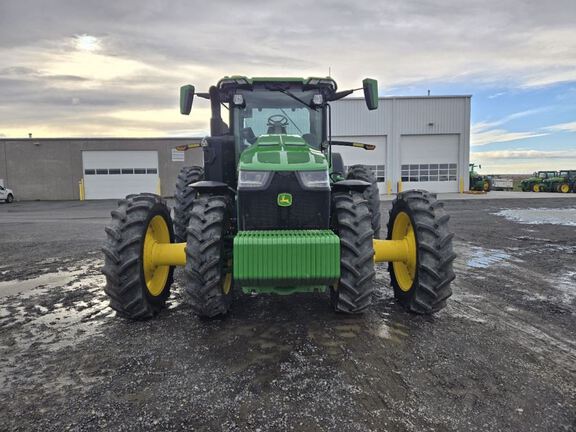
[286,258]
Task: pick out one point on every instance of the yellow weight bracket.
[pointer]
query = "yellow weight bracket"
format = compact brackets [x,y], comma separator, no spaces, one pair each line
[400,250]
[159,254]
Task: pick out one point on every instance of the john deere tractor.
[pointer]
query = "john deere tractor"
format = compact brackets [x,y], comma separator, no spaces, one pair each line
[479,182]
[271,211]
[563,182]
[534,183]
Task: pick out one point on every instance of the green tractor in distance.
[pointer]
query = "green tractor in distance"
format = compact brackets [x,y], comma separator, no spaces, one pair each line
[271,211]
[563,182]
[479,182]
[534,183]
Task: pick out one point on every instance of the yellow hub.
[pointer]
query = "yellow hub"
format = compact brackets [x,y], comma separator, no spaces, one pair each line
[564,188]
[155,271]
[486,186]
[400,250]
[536,188]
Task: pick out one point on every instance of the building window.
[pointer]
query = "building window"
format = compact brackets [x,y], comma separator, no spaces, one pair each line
[429,172]
[121,171]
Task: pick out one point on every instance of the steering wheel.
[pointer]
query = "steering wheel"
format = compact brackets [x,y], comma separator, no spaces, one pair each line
[277,120]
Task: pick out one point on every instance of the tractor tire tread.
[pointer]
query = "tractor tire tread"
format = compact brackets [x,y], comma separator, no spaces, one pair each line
[122,254]
[352,222]
[371,194]
[184,197]
[204,256]
[435,252]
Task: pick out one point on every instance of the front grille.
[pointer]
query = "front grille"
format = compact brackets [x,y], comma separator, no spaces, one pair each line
[259,209]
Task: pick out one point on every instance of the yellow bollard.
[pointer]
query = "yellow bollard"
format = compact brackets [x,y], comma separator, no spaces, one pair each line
[388,187]
[400,186]
[461,185]
[81,191]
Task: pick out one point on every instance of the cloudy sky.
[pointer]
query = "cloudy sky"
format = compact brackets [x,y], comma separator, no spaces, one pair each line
[100,68]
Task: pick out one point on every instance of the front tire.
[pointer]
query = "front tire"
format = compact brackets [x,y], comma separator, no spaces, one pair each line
[371,194]
[352,223]
[184,198]
[208,270]
[9,198]
[137,290]
[423,284]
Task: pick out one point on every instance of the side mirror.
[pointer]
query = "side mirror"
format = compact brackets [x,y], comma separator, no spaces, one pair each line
[186,98]
[370,87]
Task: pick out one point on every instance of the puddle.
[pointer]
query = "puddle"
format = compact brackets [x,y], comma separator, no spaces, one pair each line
[539,216]
[49,280]
[484,258]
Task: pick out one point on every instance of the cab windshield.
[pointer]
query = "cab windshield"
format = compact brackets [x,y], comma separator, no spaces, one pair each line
[276,112]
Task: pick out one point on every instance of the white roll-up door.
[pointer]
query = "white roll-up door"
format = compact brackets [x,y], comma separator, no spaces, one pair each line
[429,162]
[115,174]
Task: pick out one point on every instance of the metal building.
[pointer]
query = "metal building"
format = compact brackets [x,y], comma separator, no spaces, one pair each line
[422,142]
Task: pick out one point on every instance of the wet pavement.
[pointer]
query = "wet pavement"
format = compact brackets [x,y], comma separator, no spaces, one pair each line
[501,356]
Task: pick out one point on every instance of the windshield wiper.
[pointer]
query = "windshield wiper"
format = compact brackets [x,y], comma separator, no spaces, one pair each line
[293,96]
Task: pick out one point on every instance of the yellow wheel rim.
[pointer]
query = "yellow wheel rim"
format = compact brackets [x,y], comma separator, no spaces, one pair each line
[564,188]
[155,276]
[536,188]
[486,186]
[405,272]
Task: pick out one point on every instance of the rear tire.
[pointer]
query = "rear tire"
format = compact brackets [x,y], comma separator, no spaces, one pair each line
[564,188]
[352,223]
[208,270]
[184,198]
[430,287]
[371,194]
[123,257]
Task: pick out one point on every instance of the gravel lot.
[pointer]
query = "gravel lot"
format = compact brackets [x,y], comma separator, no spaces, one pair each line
[501,356]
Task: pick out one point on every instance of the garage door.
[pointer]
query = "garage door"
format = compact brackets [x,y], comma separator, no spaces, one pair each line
[429,162]
[374,159]
[115,174]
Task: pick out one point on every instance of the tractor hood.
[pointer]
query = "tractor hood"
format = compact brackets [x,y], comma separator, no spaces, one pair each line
[282,153]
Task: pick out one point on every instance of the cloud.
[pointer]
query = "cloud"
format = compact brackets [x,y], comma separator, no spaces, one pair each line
[563,127]
[524,154]
[134,54]
[500,135]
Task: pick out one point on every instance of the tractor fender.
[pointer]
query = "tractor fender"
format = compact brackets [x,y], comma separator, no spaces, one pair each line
[350,185]
[212,187]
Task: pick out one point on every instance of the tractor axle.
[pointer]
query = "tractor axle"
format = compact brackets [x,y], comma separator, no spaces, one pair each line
[172,254]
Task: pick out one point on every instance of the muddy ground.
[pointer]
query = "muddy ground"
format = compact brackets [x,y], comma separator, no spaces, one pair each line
[501,356]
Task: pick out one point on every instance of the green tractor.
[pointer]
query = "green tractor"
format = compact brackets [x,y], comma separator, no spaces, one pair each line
[535,183]
[479,182]
[563,182]
[271,211]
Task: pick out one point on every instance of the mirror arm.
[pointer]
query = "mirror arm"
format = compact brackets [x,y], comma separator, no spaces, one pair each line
[203,95]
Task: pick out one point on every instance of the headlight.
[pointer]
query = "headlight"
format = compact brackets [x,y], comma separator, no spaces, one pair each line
[314,179]
[253,179]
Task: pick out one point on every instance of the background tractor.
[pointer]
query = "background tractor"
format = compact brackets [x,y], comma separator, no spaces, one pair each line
[563,182]
[534,183]
[479,182]
[271,211]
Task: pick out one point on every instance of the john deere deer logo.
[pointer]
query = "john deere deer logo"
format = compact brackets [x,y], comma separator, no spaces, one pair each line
[284,199]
